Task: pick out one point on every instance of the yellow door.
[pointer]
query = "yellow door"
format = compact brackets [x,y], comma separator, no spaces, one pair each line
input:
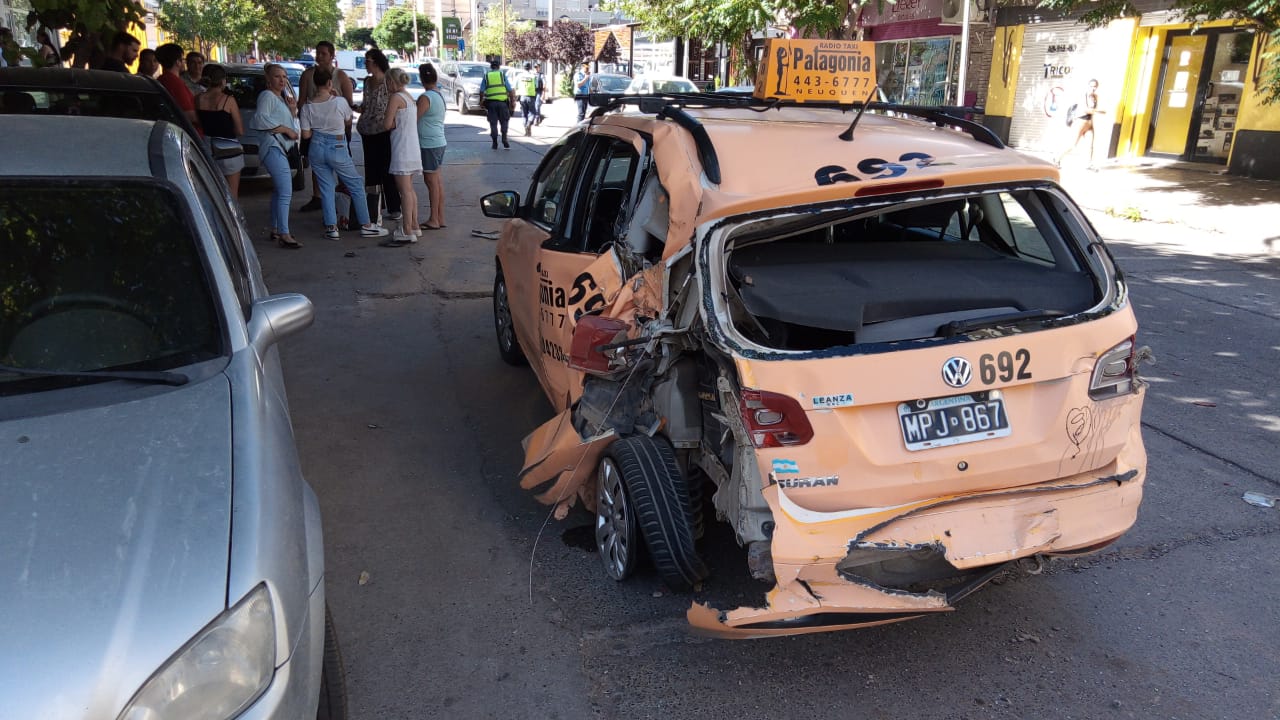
[1178,94]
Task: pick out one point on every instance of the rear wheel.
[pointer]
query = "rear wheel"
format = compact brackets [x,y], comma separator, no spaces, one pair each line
[333,679]
[463,107]
[508,346]
[659,498]
[617,537]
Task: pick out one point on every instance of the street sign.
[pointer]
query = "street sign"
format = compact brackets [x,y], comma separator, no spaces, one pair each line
[839,71]
[462,44]
[451,32]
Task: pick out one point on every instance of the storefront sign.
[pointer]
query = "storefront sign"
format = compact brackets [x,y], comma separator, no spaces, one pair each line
[841,71]
[901,11]
[452,30]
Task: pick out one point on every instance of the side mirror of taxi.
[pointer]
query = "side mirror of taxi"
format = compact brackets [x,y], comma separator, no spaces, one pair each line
[504,204]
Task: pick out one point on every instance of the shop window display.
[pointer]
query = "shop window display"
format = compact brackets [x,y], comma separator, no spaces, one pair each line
[920,71]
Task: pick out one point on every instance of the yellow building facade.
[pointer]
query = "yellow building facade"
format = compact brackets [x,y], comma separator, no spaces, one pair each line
[1165,89]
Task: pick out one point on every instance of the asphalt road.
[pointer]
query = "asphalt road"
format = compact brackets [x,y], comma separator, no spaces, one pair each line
[455,597]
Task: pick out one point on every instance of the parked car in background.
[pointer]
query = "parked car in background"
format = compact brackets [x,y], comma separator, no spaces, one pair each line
[294,71]
[305,59]
[245,82]
[609,83]
[649,84]
[65,91]
[165,554]
[892,363]
[414,88]
[460,83]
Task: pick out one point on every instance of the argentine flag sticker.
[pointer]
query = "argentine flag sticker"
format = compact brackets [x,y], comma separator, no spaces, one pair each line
[786,467]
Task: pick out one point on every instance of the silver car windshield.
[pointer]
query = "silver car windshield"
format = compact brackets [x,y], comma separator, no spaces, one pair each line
[472,71]
[97,276]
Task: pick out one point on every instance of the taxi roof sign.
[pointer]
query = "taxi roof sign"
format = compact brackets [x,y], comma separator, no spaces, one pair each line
[830,71]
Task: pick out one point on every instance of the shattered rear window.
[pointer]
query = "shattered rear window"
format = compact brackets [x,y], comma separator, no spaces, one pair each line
[908,273]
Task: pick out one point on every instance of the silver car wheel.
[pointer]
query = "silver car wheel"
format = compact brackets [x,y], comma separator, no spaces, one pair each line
[616,536]
[508,348]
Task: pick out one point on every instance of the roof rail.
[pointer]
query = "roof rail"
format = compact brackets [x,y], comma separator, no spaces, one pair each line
[671,105]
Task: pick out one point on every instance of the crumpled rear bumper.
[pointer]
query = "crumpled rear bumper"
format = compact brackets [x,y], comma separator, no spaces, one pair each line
[817,556]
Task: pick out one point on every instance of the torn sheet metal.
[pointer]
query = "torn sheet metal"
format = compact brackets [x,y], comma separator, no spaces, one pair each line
[972,531]
[556,452]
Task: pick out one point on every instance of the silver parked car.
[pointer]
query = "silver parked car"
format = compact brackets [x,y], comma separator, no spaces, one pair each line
[460,82]
[163,555]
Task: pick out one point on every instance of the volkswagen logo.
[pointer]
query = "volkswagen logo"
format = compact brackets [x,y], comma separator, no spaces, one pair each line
[957,372]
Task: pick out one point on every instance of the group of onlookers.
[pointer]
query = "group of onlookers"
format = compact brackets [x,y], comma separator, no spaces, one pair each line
[402,136]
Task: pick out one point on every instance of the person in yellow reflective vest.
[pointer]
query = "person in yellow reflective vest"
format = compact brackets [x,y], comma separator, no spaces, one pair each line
[529,88]
[498,98]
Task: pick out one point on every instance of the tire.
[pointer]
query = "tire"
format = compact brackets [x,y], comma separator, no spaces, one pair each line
[504,325]
[463,107]
[617,534]
[659,497]
[333,679]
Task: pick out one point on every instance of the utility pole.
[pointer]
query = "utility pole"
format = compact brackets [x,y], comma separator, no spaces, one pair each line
[416,44]
[503,59]
[964,52]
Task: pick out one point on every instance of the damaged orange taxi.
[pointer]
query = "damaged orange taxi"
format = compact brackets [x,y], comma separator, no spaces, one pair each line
[892,354]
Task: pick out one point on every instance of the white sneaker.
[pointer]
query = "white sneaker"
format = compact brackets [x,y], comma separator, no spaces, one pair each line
[372,230]
[331,232]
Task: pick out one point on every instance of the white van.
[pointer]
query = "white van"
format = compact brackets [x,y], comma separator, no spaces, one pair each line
[352,61]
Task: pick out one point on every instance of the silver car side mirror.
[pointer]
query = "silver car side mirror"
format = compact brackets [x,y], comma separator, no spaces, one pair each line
[277,317]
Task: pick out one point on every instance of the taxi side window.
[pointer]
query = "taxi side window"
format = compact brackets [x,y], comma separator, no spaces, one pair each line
[609,176]
[554,186]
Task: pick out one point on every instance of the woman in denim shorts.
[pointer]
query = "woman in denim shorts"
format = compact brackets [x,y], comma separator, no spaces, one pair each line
[431,109]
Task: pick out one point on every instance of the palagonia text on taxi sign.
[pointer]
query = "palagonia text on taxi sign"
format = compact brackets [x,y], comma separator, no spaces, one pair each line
[840,71]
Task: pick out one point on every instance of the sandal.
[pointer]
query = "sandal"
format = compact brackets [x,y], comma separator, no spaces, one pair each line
[287,241]
[425,226]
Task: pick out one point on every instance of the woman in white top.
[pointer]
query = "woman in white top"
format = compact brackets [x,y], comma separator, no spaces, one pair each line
[326,119]
[406,161]
[276,123]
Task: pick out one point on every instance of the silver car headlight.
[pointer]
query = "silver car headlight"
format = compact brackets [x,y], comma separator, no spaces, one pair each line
[219,672]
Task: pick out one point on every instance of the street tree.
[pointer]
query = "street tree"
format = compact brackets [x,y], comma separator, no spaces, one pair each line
[529,44]
[353,18]
[206,23]
[395,30]
[569,43]
[290,26]
[90,23]
[1262,16]
[734,21]
[356,38]
[492,31]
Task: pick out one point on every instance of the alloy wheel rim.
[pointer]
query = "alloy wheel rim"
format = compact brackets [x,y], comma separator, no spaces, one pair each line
[502,316]
[612,515]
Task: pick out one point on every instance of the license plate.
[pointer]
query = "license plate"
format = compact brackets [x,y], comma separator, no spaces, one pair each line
[953,420]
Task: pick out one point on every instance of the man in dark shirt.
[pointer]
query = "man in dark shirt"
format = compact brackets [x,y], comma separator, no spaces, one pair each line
[124,50]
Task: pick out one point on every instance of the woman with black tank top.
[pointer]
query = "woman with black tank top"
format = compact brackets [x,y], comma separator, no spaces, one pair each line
[220,117]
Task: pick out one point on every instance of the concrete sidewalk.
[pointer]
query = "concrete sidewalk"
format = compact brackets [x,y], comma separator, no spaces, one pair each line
[1193,206]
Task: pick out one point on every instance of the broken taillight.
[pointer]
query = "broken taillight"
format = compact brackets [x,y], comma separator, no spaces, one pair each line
[1114,371]
[592,332]
[774,420]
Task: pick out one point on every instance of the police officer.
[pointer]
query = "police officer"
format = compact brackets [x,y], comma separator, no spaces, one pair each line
[530,87]
[498,98]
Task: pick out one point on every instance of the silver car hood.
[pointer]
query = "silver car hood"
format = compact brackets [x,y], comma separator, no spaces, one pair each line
[114,531]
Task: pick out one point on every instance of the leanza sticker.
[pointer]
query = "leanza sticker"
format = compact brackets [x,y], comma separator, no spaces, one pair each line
[833,401]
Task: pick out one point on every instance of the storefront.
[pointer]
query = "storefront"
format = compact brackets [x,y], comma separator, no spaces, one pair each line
[1164,91]
[918,49]
[1195,97]
[1042,69]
